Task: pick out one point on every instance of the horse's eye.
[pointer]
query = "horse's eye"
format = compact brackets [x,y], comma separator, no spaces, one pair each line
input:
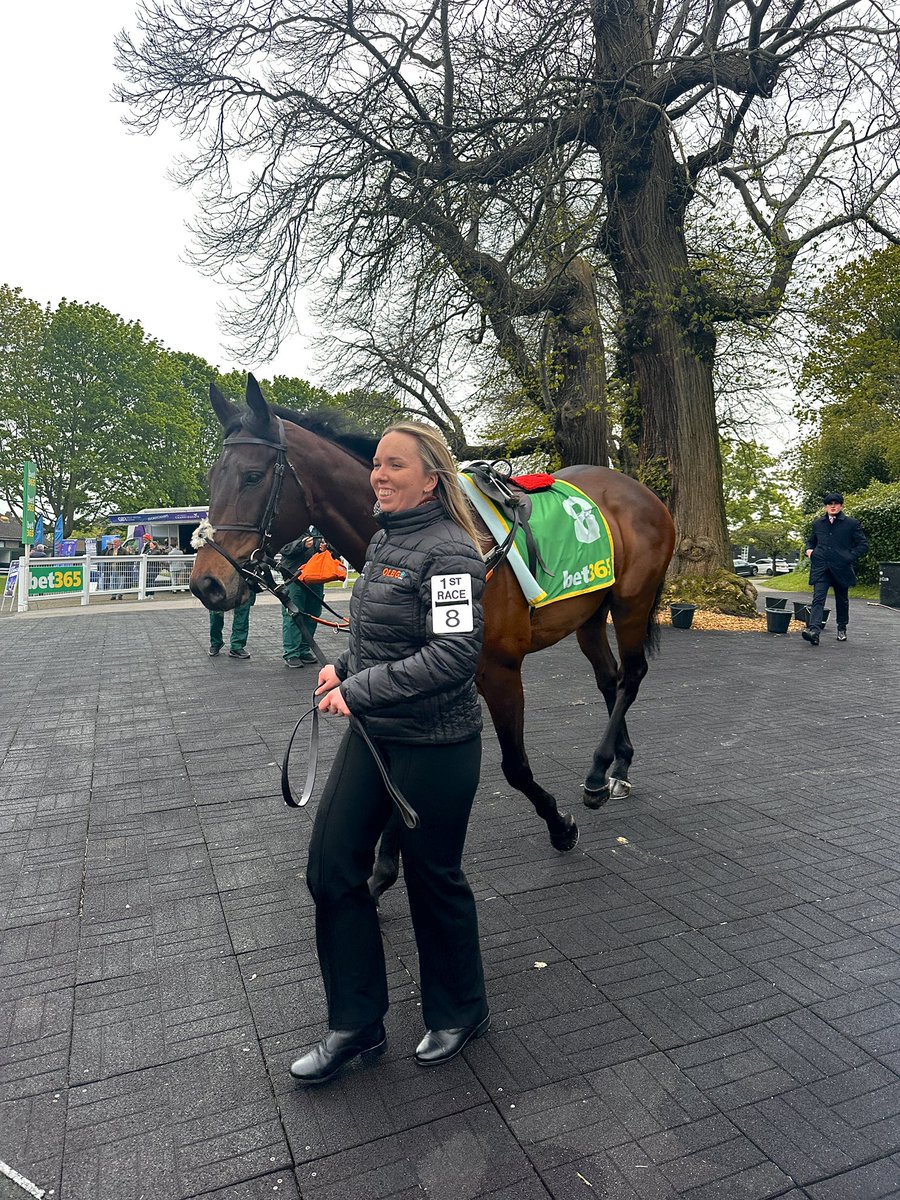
[252,477]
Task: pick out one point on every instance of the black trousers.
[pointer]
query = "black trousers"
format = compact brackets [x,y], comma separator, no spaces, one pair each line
[440,783]
[841,602]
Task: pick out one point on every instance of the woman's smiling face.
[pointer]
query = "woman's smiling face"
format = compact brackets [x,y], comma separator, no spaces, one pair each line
[399,479]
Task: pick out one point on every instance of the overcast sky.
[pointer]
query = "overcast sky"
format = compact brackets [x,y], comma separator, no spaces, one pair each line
[86,208]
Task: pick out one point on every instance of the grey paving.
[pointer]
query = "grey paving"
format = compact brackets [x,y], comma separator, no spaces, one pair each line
[701,1000]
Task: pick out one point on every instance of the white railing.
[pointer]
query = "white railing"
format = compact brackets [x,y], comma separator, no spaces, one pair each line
[97,576]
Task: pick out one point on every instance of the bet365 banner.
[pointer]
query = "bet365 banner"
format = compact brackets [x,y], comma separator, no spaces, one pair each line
[49,580]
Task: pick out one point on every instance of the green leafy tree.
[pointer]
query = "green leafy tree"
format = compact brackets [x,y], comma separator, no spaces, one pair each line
[773,537]
[853,373]
[759,500]
[98,407]
[748,483]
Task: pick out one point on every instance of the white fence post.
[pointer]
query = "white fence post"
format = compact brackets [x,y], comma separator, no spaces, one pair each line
[142,577]
[86,590]
[24,586]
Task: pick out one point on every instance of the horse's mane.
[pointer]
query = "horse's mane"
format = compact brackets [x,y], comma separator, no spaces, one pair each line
[334,426]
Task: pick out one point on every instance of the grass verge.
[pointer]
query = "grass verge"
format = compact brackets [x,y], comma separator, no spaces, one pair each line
[798,581]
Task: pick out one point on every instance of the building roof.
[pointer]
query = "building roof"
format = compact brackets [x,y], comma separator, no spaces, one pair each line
[10,530]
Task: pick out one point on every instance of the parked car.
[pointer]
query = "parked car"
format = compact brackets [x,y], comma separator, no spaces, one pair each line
[741,566]
[764,567]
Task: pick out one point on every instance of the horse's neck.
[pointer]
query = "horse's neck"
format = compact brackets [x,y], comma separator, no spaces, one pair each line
[337,496]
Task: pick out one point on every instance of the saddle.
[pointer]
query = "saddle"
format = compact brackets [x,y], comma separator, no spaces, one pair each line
[510,494]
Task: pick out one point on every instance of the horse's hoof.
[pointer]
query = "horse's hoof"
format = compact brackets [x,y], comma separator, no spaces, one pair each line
[619,789]
[594,799]
[567,837]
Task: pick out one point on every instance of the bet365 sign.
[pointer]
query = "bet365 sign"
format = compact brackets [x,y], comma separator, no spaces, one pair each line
[55,580]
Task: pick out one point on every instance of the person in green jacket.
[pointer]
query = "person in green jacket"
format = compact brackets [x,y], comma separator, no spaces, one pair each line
[297,643]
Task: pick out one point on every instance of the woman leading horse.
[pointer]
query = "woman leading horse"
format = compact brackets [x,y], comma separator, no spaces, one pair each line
[280,472]
[409,673]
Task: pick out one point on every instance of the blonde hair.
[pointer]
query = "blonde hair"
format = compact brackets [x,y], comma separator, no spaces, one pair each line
[436,459]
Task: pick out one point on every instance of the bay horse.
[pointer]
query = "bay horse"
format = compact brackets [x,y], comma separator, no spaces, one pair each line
[280,472]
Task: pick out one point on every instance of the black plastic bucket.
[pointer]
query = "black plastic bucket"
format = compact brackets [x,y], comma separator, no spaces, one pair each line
[682,615]
[776,602]
[777,620]
[801,613]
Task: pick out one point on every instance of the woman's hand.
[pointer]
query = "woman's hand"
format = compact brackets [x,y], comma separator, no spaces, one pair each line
[329,689]
[333,702]
[327,679]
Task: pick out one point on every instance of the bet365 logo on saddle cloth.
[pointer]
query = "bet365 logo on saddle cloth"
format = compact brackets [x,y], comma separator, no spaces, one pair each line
[574,541]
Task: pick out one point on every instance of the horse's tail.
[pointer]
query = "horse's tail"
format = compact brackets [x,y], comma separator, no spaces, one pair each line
[651,642]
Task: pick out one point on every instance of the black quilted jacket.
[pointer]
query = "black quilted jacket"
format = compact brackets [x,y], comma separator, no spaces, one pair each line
[408,683]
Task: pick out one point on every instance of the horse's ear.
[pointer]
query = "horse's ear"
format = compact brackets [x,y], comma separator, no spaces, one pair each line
[256,402]
[229,414]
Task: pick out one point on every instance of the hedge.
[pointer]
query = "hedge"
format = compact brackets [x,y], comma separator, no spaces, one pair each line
[877,508]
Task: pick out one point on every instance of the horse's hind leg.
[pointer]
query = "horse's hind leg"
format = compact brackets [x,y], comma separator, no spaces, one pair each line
[501,687]
[595,646]
[615,746]
[387,862]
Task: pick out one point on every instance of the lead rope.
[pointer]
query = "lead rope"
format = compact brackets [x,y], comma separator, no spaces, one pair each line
[264,580]
[408,814]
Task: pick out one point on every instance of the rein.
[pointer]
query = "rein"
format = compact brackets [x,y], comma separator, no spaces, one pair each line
[258,572]
[407,812]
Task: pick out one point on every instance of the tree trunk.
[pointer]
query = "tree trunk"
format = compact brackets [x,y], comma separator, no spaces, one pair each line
[667,343]
[576,374]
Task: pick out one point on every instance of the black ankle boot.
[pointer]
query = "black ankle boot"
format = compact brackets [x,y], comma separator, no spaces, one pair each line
[336,1049]
[440,1045]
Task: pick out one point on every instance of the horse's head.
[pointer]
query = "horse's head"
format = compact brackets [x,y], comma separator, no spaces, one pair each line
[245,486]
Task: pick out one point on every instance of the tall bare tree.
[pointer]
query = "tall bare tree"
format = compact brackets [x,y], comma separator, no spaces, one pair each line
[513,146]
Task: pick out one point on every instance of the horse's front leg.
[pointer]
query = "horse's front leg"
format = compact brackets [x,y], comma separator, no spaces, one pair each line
[501,687]
[387,861]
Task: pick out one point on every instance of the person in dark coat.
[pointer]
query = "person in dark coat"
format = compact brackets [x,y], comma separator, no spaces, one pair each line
[296,644]
[416,627]
[834,545]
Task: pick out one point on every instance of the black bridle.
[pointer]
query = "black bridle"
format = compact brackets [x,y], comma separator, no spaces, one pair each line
[260,558]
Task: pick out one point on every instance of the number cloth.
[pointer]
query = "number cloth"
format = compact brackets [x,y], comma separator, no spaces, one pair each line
[572,537]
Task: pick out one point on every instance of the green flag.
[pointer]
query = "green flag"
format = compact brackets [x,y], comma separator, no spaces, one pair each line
[29,480]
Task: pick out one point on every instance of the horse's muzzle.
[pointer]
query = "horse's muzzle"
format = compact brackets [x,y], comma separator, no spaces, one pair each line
[211,593]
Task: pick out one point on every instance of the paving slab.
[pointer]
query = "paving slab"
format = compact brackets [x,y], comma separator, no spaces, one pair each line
[701,1000]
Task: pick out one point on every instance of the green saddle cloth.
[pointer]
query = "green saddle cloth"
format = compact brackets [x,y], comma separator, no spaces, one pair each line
[572,537]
